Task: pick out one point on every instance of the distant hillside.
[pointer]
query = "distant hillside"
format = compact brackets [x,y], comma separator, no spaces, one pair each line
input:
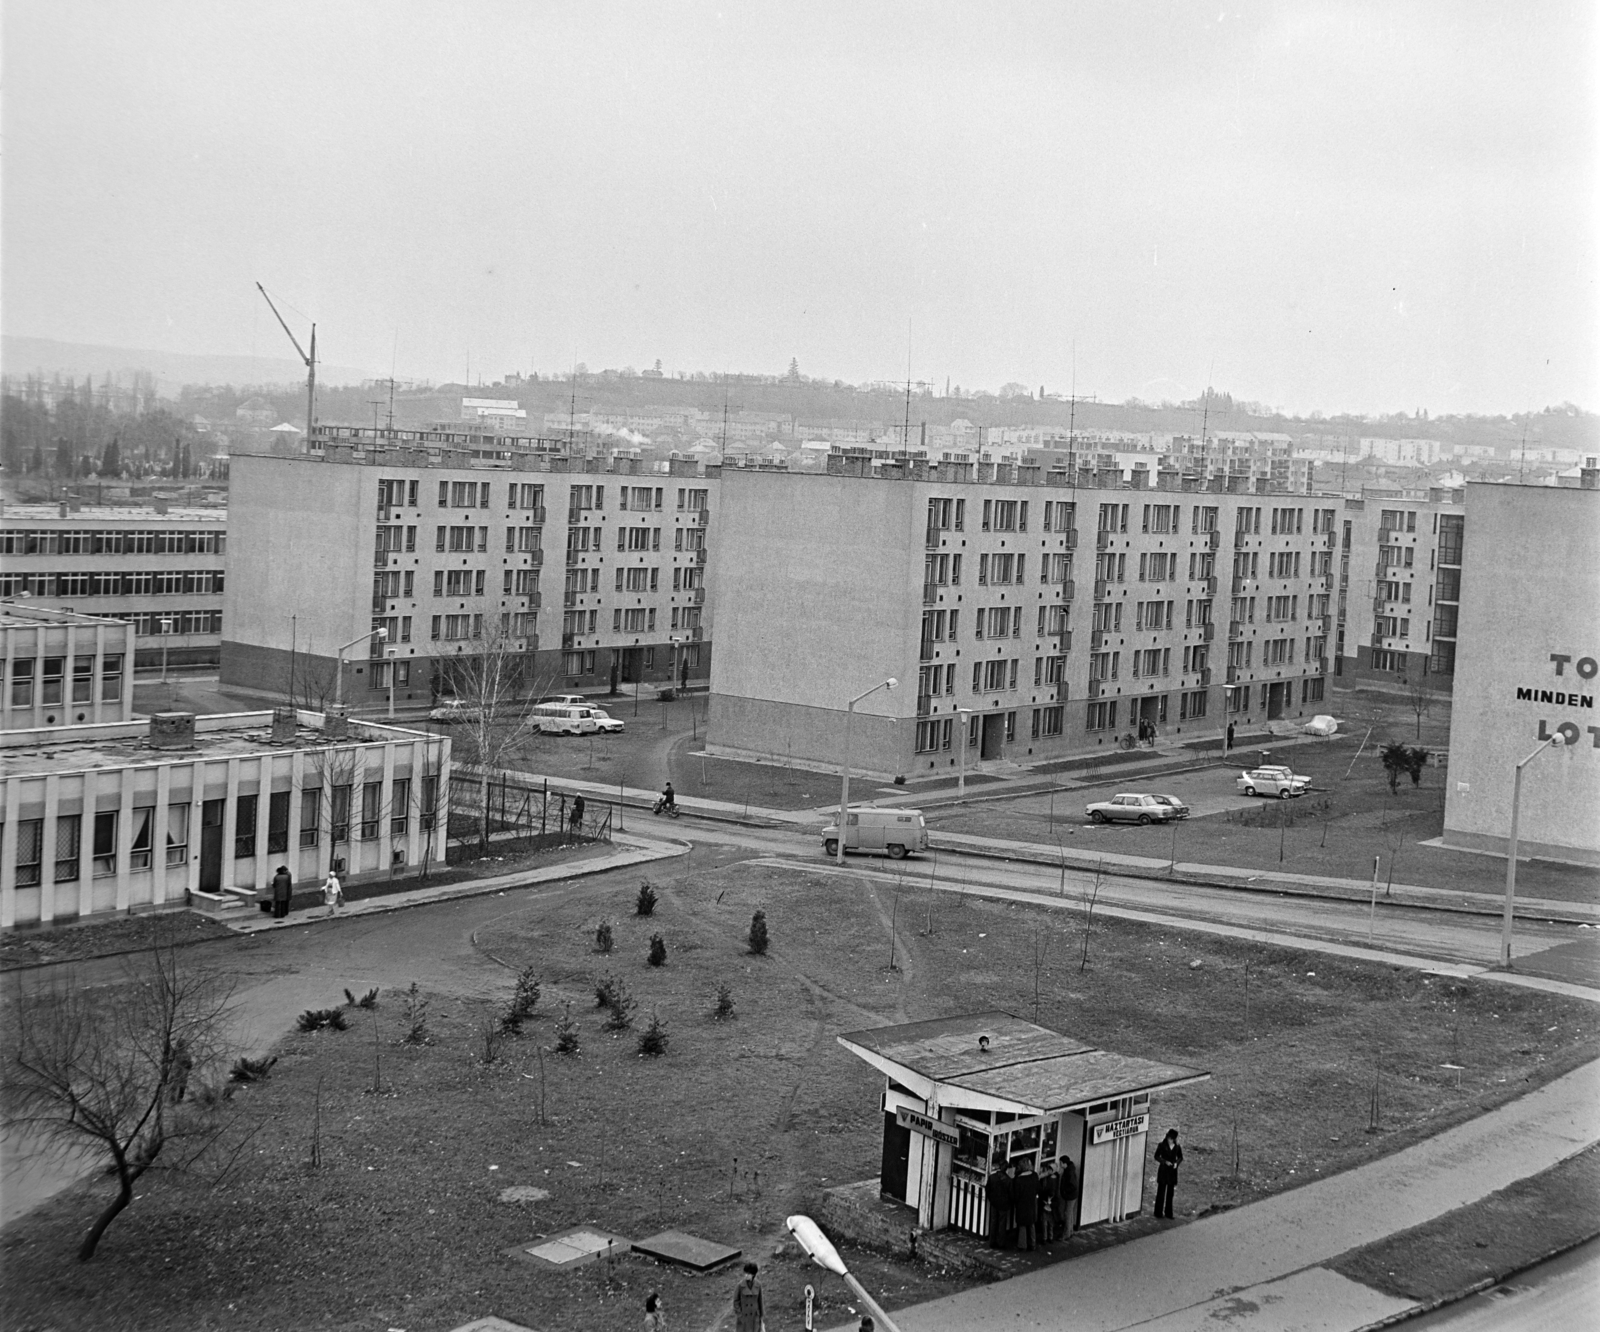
[23,356]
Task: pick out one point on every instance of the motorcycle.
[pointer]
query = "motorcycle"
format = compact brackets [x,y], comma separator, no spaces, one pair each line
[662,807]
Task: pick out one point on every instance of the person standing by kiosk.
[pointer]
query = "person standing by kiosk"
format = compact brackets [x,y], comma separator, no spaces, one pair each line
[998,1191]
[1169,1156]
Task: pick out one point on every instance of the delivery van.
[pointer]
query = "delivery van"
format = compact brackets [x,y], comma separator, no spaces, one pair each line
[565,719]
[893,832]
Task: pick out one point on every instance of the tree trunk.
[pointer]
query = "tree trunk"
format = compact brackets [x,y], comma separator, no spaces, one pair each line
[127,1175]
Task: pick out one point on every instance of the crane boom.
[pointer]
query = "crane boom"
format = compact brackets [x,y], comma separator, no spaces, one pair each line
[310,360]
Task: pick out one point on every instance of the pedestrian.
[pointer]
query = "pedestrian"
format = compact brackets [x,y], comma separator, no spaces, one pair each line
[866,1323]
[1026,1201]
[1066,1195]
[1230,738]
[748,1314]
[655,1318]
[997,1189]
[1169,1156]
[577,813]
[332,893]
[1049,1189]
[282,891]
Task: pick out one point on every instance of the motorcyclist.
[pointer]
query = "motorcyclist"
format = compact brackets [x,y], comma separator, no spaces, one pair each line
[669,799]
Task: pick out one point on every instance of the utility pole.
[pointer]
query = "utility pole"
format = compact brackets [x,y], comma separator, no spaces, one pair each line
[310,359]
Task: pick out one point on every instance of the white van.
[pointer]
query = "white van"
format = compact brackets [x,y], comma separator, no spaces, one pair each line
[565,719]
[893,832]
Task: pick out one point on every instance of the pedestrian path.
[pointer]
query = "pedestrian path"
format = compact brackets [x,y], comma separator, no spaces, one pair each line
[1260,1267]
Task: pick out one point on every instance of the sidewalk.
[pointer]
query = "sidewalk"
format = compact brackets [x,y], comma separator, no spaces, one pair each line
[1263,1266]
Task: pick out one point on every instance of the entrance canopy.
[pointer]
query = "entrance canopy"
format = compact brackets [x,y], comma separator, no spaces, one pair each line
[996,1061]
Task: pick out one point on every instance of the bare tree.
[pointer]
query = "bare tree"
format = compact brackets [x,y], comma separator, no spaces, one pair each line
[1419,698]
[335,769]
[1043,933]
[1090,894]
[108,1069]
[492,676]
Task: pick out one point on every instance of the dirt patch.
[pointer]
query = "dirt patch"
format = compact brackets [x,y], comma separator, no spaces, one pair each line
[103,938]
[747,1120]
[1487,1240]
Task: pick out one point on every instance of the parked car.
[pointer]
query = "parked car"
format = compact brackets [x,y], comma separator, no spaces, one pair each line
[563,701]
[1180,810]
[1321,724]
[605,723]
[895,832]
[568,719]
[1132,808]
[454,710]
[1273,780]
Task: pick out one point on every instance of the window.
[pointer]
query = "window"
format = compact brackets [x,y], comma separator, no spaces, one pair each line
[1102,715]
[244,826]
[933,734]
[339,814]
[428,803]
[69,838]
[105,843]
[400,807]
[577,663]
[111,678]
[1191,703]
[1443,659]
[278,823]
[1311,690]
[1161,518]
[371,809]
[1048,722]
[177,834]
[30,852]
[51,680]
[21,683]
[310,815]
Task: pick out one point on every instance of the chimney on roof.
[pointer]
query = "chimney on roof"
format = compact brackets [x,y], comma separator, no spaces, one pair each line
[172,730]
[1589,474]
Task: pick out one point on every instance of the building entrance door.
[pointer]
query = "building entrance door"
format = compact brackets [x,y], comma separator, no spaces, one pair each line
[994,731]
[1276,693]
[211,846]
[630,665]
[896,1157]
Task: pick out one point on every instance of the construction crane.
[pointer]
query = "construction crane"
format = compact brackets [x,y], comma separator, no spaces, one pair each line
[310,360]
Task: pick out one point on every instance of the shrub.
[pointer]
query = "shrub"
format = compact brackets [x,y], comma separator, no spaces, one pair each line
[602,937]
[315,1019]
[368,1000]
[645,905]
[1398,757]
[605,991]
[658,951]
[416,1011]
[653,1039]
[758,934]
[619,1016]
[724,1006]
[490,1032]
[251,1070]
[526,998]
[567,1033]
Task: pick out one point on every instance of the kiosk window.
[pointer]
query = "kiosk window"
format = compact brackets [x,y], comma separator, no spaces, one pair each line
[972,1147]
[997,1149]
[1052,1132]
[1025,1140]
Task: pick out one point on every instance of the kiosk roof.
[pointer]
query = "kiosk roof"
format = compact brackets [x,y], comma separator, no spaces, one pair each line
[1029,1066]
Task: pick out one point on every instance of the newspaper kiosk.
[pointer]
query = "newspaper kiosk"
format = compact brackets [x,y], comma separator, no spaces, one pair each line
[966,1096]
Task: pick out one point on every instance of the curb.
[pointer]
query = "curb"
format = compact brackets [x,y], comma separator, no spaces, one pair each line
[1477,1287]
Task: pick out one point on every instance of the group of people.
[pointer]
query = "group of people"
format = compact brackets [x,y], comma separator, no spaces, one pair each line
[281,892]
[1028,1207]
[749,1307]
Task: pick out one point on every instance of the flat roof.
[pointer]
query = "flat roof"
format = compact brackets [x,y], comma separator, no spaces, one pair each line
[99,513]
[1026,1068]
[18,615]
[57,749]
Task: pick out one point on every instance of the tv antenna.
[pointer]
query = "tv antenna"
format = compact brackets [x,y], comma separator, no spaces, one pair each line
[310,359]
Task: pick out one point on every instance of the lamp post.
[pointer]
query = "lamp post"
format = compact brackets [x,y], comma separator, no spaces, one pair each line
[810,1238]
[844,778]
[961,771]
[338,679]
[1555,741]
[166,629]
[392,653]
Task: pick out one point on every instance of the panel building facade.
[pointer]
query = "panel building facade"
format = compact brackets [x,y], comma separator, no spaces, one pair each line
[62,669]
[590,573]
[159,569]
[1026,615]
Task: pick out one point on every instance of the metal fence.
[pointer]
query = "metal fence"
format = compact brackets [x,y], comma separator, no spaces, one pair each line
[520,815]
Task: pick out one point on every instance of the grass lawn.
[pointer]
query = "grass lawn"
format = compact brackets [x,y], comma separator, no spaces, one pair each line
[744,1121]
[1334,829]
[111,934]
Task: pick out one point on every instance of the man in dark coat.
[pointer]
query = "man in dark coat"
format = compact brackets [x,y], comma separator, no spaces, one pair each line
[1049,1191]
[999,1192]
[282,891]
[1026,1200]
[1169,1156]
[1066,1195]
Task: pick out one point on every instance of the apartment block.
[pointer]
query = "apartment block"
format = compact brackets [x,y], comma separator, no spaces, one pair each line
[1400,586]
[62,669]
[1026,614]
[159,569]
[589,573]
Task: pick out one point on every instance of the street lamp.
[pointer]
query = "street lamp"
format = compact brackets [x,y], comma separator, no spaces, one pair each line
[844,779]
[961,771]
[810,1238]
[338,679]
[392,654]
[1554,742]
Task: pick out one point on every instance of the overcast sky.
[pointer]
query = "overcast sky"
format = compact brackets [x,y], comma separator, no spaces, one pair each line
[1319,206]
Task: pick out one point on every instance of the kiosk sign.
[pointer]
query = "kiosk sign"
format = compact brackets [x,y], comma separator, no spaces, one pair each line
[929,1128]
[1120,1128]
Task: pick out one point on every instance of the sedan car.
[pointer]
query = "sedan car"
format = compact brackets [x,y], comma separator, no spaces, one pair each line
[1179,809]
[1130,808]
[454,710]
[1273,780]
[604,722]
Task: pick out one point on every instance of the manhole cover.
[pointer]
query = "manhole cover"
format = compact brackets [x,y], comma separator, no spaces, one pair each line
[523,1193]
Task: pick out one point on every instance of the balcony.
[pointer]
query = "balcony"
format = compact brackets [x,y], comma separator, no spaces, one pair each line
[380,604]
[1097,639]
[1099,589]
[926,653]
[1065,639]
[699,597]
[1241,540]
[1070,536]
[537,556]
[1205,676]
[1069,589]
[1235,628]
[537,512]
[1102,540]
[924,705]
[1096,688]
[1234,674]
[534,600]
[1333,541]
[1213,539]
[930,594]
[932,538]
[700,555]
[380,559]
[572,559]
[1210,582]
[567,640]
[1321,664]
[1061,691]
[703,517]
[697,634]
[569,599]
[1208,633]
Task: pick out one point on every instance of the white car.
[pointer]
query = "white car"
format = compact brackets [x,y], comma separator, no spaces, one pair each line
[454,710]
[605,723]
[1273,780]
[1322,724]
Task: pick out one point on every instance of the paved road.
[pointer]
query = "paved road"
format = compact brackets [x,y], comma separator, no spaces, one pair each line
[1562,1295]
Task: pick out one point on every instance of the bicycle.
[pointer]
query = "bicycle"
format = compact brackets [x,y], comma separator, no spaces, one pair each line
[662,807]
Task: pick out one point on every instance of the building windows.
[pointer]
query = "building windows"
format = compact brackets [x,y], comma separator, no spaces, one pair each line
[525,496]
[1277,652]
[400,807]
[371,809]
[1283,564]
[310,815]
[1159,567]
[21,683]
[1153,614]
[1311,689]
[1005,515]
[69,836]
[50,680]
[1192,703]
[1058,515]
[1047,722]
[30,852]
[177,834]
[144,817]
[83,679]
[1287,522]
[581,498]
[1161,518]
[1443,659]
[1113,518]
[933,734]
[638,538]
[638,498]
[1383,659]
[1102,716]
[104,847]
[577,663]
[244,826]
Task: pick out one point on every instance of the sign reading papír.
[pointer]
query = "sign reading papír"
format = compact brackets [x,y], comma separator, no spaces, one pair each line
[929,1128]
